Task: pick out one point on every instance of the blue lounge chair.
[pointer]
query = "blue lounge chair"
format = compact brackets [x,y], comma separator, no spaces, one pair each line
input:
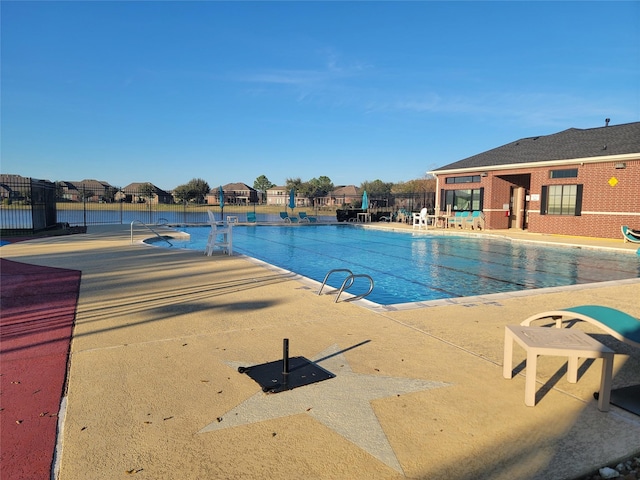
[458,219]
[306,218]
[620,325]
[475,220]
[251,217]
[630,235]
[287,219]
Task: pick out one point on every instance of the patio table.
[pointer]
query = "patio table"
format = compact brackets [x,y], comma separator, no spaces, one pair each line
[567,342]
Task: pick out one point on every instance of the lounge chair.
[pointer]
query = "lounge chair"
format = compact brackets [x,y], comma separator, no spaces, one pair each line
[420,219]
[251,217]
[475,220]
[287,219]
[403,215]
[620,325]
[458,219]
[306,218]
[630,235]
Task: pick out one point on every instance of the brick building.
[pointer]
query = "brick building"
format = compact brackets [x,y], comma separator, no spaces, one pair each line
[583,182]
[234,194]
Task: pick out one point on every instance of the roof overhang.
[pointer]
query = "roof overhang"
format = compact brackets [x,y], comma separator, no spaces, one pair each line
[548,163]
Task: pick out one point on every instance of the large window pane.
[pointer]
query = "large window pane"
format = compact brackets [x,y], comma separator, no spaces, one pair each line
[475,200]
[562,199]
[555,200]
[463,200]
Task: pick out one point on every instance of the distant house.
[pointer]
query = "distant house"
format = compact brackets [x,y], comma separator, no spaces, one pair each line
[143,192]
[87,190]
[341,196]
[280,196]
[583,182]
[14,187]
[234,194]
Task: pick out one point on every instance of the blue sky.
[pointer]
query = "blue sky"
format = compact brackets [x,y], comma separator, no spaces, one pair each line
[227,91]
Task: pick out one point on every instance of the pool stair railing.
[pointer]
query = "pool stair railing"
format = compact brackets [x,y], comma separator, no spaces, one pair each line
[346,284]
[165,239]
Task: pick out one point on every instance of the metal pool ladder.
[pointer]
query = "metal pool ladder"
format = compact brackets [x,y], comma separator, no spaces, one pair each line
[346,284]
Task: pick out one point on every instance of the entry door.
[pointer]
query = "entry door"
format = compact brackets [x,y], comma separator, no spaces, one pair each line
[512,207]
[518,207]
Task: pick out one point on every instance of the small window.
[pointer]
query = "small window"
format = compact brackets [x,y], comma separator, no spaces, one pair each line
[466,179]
[569,173]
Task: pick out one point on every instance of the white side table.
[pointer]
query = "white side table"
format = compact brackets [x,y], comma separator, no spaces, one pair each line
[565,342]
[364,217]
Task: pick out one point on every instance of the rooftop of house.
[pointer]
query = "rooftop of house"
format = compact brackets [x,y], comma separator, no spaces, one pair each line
[573,143]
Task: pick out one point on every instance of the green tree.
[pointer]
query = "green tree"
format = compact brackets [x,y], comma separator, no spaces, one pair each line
[377,188]
[295,183]
[146,190]
[318,187]
[193,191]
[198,189]
[110,194]
[262,183]
[181,193]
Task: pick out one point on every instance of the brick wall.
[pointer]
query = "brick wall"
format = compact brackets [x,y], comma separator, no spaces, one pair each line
[611,198]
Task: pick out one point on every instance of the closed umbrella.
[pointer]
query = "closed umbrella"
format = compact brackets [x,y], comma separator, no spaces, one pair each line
[365,201]
[292,199]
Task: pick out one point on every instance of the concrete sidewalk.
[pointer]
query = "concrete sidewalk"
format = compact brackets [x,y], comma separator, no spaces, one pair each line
[154,391]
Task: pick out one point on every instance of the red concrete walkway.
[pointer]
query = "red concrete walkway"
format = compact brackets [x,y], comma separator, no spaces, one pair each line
[37,313]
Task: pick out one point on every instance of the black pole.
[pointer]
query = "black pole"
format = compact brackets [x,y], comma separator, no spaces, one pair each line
[285,358]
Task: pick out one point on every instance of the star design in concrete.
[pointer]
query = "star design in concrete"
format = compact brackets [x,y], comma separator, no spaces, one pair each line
[342,403]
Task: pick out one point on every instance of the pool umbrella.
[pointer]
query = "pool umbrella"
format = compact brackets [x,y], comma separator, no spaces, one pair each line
[292,199]
[221,198]
[365,201]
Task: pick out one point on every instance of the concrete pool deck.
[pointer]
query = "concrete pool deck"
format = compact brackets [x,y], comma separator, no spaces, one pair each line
[154,392]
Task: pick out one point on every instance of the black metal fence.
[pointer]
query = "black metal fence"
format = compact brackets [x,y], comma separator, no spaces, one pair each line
[27,204]
[33,205]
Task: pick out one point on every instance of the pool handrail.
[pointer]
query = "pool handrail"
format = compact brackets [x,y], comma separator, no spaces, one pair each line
[151,229]
[346,284]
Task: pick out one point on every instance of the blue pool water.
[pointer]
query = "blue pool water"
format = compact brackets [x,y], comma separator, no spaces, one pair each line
[411,268]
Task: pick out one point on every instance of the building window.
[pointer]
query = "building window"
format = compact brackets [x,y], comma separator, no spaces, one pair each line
[569,173]
[467,179]
[561,200]
[462,200]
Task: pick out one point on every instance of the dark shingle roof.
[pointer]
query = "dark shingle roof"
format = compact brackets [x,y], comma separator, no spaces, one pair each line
[230,187]
[568,144]
[137,186]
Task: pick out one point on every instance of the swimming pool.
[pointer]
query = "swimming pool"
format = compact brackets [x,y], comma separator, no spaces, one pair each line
[408,267]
